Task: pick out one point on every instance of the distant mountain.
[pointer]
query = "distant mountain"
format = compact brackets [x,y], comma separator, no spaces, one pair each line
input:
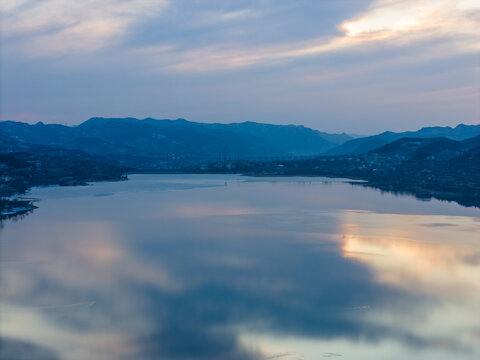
[128,138]
[369,143]
[151,143]
[24,165]
[420,148]
[436,163]
[417,150]
[426,167]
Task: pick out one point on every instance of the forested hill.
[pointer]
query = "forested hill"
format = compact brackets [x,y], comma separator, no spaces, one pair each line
[368,143]
[150,138]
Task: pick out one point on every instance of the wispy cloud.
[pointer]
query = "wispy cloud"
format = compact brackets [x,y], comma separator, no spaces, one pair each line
[384,23]
[229,60]
[213,17]
[415,19]
[53,27]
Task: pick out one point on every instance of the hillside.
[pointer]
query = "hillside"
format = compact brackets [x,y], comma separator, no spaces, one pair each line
[104,149]
[23,166]
[149,141]
[426,167]
[369,143]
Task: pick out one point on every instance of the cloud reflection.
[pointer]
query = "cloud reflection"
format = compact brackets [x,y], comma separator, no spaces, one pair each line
[177,286]
[21,350]
[436,256]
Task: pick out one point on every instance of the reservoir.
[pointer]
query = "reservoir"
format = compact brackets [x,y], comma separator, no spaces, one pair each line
[232,267]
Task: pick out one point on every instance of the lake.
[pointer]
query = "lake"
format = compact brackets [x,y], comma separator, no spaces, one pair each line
[230,267]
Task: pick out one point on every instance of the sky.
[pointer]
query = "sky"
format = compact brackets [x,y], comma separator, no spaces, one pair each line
[356,66]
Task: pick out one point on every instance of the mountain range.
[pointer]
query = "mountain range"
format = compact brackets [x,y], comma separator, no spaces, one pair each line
[149,138]
[443,162]
[150,143]
[368,143]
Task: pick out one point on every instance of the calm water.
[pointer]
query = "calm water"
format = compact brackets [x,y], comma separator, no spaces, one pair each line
[227,267]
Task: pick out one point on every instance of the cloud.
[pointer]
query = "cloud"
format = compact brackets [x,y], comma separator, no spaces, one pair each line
[58,27]
[384,23]
[224,60]
[213,17]
[427,18]
[54,27]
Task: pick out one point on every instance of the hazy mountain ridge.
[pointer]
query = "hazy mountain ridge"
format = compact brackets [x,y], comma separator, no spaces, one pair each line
[30,164]
[426,167]
[149,138]
[104,149]
[23,165]
[369,143]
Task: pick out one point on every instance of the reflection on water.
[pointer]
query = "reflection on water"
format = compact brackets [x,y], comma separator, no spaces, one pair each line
[216,267]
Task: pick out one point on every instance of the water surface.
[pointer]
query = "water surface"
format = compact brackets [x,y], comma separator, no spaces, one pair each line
[229,267]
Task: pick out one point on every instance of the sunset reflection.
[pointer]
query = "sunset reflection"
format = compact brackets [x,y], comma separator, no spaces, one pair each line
[244,270]
[436,258]
[435,253]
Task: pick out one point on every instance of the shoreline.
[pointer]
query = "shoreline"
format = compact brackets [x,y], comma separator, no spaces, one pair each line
[14,207]
[463,198]
[11,208]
